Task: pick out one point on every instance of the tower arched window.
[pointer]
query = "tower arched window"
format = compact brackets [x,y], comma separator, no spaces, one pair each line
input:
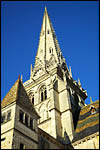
[41,96]
[43,93]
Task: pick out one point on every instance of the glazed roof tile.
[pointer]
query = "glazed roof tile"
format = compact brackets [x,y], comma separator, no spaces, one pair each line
[88,123]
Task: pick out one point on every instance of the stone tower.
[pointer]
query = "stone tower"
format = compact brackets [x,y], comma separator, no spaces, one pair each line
[19,120]
[55,95]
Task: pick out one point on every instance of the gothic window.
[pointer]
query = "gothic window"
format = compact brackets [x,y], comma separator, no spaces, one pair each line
[41,96]
[43,93]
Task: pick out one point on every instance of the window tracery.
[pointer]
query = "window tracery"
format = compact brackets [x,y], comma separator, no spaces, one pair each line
[43,93]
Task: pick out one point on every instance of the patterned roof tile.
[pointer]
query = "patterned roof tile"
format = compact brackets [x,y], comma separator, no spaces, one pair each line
[88,123]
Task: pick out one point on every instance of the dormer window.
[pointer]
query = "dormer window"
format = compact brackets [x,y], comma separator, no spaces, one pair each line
[93,110]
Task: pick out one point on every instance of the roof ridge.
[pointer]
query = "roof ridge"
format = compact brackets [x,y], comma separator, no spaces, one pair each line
[17,89]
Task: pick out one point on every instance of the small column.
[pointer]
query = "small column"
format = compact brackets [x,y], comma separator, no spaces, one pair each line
[24,118]
[34,124]
[29,121]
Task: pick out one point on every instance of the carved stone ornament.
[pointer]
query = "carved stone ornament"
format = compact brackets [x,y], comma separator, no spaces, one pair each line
[30,94]
[51,63]
[39,68]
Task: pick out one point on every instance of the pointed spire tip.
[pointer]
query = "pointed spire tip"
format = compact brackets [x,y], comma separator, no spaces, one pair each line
[45,9]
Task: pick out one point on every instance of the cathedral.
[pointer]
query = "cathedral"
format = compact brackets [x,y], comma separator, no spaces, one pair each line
[48,111]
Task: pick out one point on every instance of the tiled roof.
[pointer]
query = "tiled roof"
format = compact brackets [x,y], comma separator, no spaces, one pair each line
[88,123]
[18,94]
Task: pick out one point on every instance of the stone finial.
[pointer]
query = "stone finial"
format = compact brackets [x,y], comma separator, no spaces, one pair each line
[91,100]
[70,71]
[45,8]
[79,82]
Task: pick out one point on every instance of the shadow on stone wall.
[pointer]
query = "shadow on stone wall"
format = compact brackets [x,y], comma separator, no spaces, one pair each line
[65,141]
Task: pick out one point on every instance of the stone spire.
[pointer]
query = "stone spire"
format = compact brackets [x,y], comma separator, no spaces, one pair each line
[48,53]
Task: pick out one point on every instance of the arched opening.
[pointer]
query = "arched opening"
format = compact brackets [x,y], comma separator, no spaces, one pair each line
[41,96]
[43,93]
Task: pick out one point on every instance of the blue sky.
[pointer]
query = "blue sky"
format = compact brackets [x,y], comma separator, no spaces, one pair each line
[76,24]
